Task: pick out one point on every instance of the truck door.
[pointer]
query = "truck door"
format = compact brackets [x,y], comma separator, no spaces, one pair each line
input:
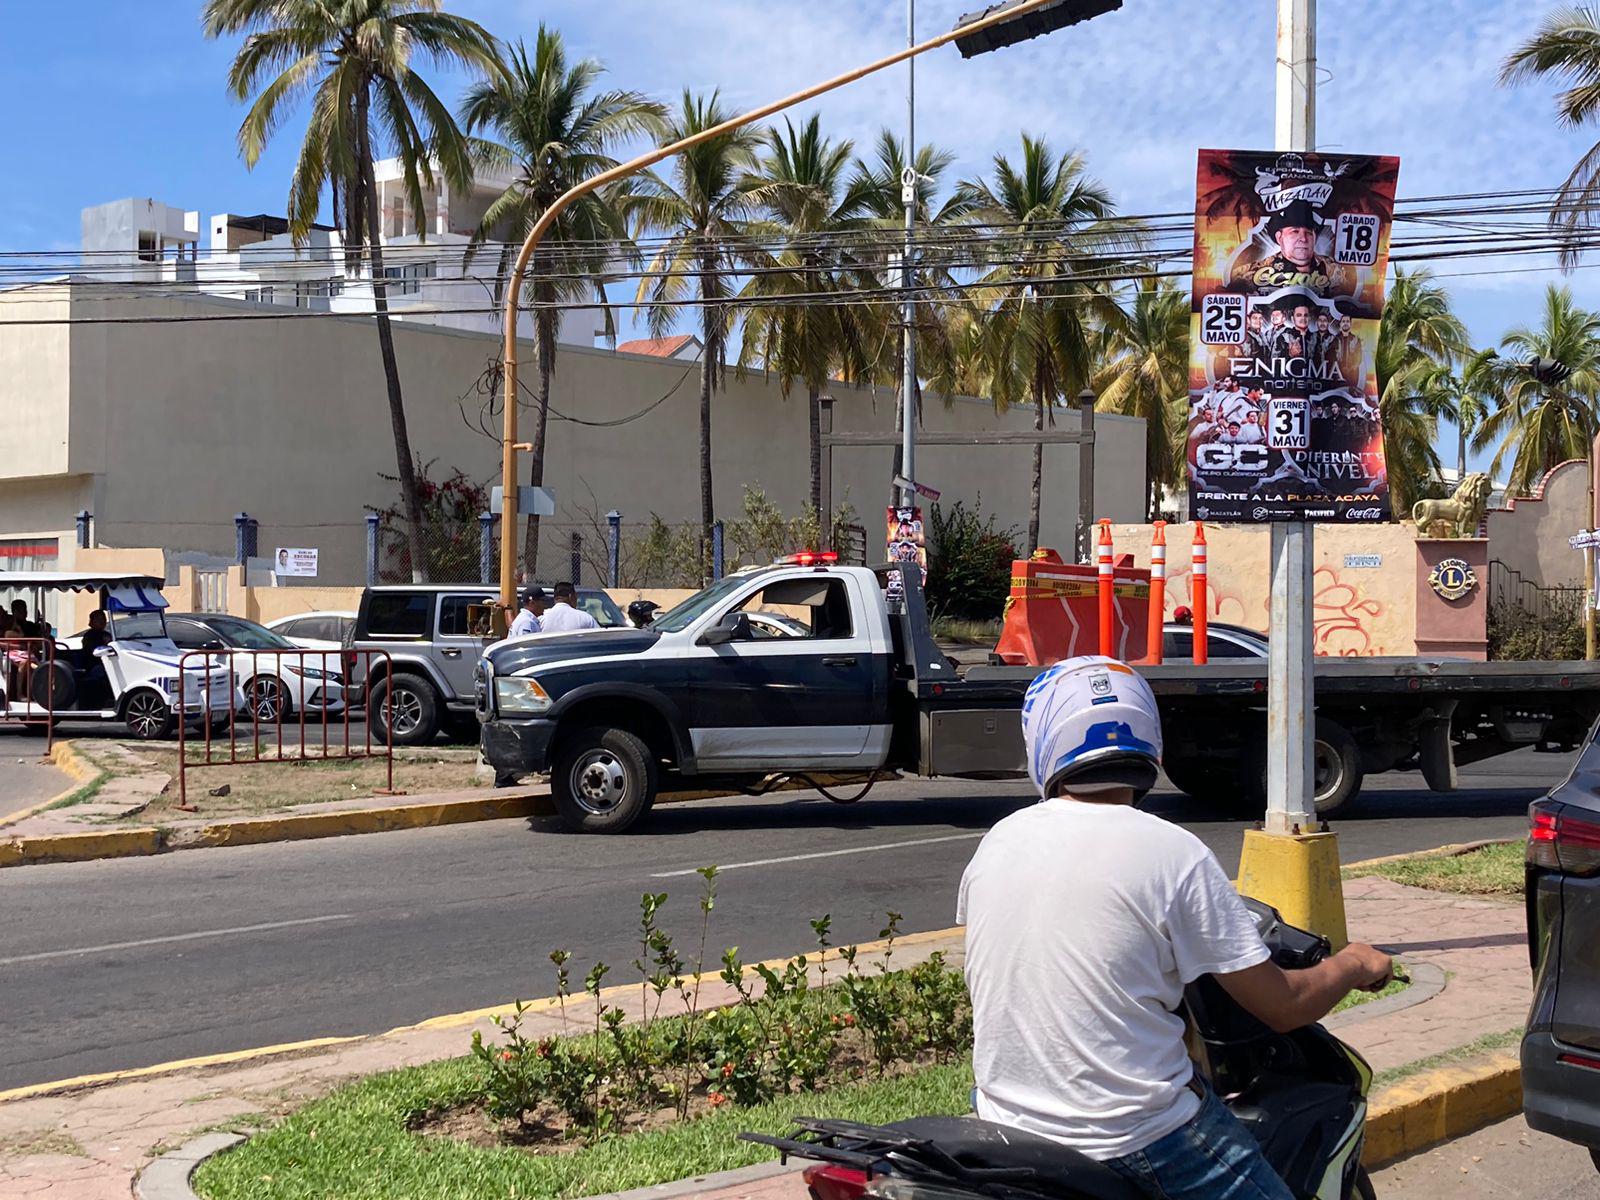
[807,686]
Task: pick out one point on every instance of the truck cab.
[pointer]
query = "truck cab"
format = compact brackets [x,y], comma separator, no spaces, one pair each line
[787,667]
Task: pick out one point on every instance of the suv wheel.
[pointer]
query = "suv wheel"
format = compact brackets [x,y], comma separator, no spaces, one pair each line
[603,780]
[411,704]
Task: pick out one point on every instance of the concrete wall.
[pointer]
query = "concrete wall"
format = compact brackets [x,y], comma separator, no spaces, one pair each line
[184,424]
[36,383]
[1360,611]
[1530,535]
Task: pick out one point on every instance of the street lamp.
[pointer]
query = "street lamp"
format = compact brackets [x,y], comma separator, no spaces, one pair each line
[509,446]
[1019,24]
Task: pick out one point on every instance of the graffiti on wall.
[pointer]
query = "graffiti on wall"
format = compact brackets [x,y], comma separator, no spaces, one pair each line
[1347,618]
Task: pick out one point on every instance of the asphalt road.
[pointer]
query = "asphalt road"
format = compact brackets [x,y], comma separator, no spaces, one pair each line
[25,778]
[128,963]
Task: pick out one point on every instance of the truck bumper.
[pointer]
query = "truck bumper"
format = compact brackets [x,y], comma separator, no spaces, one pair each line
[522,747]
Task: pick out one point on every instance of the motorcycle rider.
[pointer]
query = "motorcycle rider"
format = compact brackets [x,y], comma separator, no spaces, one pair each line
[1085,919]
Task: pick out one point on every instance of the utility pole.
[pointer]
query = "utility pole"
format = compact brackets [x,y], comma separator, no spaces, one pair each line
[1291,704]
[908,194]
[1288,864]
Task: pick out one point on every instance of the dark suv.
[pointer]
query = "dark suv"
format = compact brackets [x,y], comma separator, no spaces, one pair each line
[1561,1049]
[433,649]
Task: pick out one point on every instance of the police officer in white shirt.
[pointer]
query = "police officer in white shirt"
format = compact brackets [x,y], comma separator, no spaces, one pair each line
[1085,920]
[527,619]
[564,616]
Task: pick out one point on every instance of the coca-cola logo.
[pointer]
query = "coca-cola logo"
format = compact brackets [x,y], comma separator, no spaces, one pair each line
[1363,514]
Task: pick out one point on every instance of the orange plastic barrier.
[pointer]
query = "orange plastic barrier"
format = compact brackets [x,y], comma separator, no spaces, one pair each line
[1053,611]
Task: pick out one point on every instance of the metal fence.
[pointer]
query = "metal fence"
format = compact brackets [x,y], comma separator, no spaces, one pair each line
[295,705]
[1510,589]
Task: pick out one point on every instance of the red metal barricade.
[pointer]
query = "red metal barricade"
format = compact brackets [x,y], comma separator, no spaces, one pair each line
[27,669]
[275,690]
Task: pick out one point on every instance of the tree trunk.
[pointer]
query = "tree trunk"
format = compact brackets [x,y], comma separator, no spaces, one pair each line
[545,343]
[405,463]
[814,430]
[708,365]
[1036,486]
[1461,451]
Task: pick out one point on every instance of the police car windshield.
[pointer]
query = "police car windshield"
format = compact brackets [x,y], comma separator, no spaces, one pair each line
[685,614]
[139,627]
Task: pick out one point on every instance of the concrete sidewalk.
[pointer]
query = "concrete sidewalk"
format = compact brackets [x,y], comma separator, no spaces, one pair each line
[90,1138]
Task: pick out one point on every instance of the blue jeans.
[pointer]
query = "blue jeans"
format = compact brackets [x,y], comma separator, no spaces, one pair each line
[1213,1157]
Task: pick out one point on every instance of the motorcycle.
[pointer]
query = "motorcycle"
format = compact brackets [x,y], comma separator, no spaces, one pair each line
[1303,1095]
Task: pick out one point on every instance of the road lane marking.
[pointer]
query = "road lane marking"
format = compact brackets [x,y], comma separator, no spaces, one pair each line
[173,937]
[789,858]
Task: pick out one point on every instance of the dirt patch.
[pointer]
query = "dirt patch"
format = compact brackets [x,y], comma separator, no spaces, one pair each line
[41,1141]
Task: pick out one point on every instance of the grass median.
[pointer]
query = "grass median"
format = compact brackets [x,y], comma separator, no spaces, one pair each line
[1490,871]
[359,1142]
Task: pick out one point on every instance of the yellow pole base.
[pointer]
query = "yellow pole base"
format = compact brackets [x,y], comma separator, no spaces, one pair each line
[1299,876]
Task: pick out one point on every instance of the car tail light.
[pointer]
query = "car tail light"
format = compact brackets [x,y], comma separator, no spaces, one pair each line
[830,1182]
[1559,840]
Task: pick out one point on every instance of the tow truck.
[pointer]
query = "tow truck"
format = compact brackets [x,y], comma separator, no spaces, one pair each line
[852,684]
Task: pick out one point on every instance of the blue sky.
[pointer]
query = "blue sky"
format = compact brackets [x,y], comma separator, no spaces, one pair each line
[125,98]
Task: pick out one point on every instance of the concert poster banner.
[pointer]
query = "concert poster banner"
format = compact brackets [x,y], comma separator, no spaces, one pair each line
[1290,253]
[907,543]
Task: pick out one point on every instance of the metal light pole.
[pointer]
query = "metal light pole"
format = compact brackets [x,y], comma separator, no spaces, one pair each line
[1288,864]
[1291,703]
[908,193]
[509,444]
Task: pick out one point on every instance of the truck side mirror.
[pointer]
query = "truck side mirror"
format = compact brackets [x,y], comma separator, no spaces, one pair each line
[735,627]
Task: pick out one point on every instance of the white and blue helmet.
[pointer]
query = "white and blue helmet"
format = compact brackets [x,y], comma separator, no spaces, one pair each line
[1091,721]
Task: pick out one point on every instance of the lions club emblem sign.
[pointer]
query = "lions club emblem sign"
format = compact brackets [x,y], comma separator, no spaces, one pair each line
[1452,578]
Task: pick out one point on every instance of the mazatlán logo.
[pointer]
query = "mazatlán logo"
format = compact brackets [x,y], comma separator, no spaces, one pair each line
[1453,578]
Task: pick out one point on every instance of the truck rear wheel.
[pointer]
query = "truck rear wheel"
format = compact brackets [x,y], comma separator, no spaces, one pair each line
[1336,766]
[603,780]
[1216,786]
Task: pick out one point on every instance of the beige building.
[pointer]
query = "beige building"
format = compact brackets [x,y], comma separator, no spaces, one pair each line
[164,430]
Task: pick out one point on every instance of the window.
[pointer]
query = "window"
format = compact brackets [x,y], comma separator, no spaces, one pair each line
[409,277]
[138,627]
[800,608]
[149,247]
[322,629]
[262,295]
[399,614]
[455,614]
[316,289]
[247,635]
[1226,647]
[188,635]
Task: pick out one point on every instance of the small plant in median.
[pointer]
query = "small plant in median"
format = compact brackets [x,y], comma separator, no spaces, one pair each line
[795,1028]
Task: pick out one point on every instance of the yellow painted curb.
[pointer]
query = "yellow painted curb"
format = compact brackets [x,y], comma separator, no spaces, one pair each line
[304,826]
[79,847]
[1439,1105]
[69,762]
[447,1021]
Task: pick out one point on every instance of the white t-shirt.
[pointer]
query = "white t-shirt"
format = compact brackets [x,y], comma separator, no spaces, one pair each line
[523,624]
[1084,923]
[561,617]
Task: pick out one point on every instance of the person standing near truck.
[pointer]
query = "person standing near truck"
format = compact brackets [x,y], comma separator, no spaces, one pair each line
[564,616]
[527,619]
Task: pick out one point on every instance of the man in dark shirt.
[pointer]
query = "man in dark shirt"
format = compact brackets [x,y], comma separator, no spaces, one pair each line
[96,635]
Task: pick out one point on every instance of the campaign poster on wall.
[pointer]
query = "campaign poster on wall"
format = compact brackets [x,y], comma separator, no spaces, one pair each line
[1290,253]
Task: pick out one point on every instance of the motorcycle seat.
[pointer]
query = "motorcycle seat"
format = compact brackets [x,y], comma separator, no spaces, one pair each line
[1059,1170]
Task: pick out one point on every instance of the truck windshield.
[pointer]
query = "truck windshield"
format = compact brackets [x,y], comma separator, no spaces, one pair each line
[685,614]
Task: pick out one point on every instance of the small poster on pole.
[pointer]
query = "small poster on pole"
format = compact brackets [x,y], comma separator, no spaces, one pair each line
[906,542]
[291,561]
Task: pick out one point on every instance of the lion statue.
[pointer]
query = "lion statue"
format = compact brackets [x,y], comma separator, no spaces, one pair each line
[1458,516]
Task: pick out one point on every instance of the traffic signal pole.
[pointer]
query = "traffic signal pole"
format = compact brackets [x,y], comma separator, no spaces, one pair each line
[1288,863]
[509,445]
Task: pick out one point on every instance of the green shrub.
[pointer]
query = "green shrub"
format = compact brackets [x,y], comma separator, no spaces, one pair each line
[969,562]
[1556,634]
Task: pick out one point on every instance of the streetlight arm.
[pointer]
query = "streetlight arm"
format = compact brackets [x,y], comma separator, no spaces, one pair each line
[508,518]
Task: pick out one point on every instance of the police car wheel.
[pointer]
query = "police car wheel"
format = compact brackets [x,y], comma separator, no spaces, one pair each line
[603,780]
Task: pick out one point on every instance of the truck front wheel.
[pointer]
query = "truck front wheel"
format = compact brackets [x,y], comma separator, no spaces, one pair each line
[603,780]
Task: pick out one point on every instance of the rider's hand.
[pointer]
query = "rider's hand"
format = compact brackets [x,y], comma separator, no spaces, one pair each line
[1373,967]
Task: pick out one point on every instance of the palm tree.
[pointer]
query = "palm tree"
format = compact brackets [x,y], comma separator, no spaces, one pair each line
[1419,341]
[1540,424]
[352,58]
[1038,305]
[1567,45]
[703,207]
[878,181]
[553,129]
[1144,372]
[802,187]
